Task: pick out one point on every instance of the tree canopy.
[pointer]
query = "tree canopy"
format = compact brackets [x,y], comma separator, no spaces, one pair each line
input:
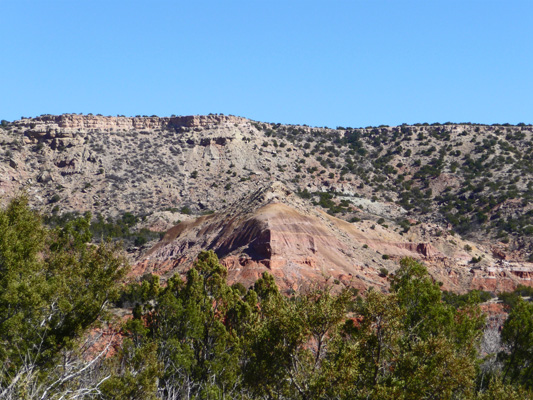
[54,285]
[196,337]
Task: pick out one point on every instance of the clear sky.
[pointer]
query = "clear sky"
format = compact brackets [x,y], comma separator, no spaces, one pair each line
[321,63]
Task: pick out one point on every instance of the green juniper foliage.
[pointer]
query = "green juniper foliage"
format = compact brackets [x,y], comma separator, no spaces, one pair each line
[196,337]
[54,286]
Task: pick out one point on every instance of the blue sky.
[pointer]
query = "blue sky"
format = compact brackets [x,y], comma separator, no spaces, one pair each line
[321,63]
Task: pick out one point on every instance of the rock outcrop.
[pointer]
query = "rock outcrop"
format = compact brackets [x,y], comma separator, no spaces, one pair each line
[273,230]
[63,125]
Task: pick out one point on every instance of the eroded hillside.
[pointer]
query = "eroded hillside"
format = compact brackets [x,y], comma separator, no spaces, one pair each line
[455,194]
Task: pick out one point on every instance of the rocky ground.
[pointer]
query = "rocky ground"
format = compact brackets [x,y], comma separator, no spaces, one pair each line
[309,204]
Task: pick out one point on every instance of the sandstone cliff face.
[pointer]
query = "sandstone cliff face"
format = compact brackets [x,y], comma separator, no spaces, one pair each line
[69,124]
